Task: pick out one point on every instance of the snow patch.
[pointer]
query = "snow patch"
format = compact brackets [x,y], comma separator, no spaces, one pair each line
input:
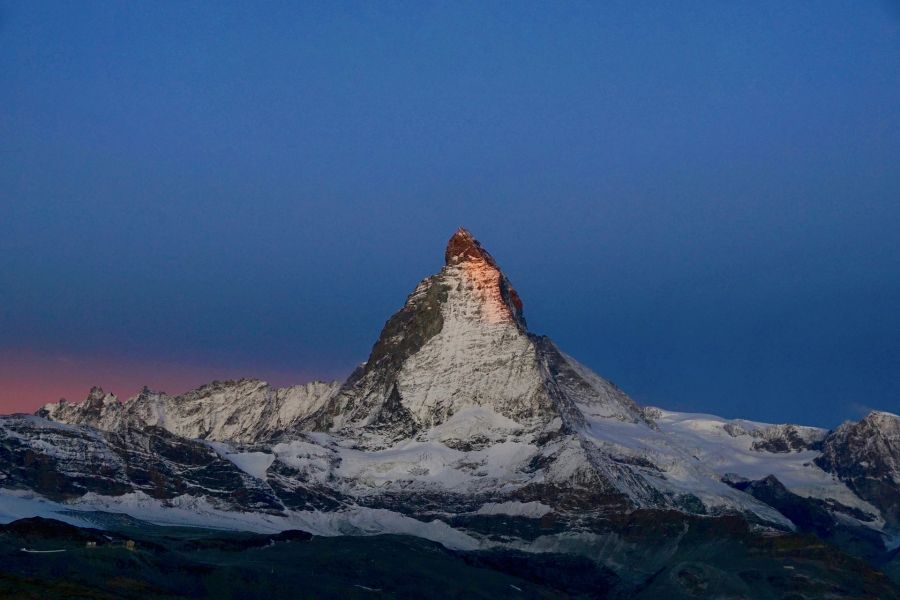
[533,510]
[255,464]
[18,504]
[199,512]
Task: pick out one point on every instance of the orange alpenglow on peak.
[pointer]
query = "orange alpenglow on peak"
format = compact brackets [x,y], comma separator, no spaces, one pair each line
[463,246]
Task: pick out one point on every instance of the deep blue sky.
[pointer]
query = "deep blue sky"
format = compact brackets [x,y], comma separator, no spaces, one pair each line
[699,200]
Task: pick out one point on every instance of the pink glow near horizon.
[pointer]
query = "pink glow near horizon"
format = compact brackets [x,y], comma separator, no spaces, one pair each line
[29,380]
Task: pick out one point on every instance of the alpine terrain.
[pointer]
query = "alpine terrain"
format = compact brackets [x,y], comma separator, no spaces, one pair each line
[492,448]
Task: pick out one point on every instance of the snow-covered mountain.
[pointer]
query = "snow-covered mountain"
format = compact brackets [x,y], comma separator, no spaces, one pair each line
[866,457]
[239,411]
[462,426]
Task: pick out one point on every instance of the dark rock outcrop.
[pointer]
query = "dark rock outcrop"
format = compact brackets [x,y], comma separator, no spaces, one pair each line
[866,456]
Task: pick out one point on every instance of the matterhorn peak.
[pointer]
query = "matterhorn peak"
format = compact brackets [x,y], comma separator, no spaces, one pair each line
[463,246]
[498,300]
[460,343]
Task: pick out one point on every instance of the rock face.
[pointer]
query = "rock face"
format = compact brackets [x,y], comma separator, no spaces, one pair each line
[241,411]
[866,456]
[788,438]
[464,426]
[64,462]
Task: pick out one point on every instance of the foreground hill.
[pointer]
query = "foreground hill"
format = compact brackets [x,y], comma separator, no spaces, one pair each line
[172,562]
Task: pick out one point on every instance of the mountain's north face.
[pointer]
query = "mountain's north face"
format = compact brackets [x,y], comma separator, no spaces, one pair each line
[459,343]
[463,427]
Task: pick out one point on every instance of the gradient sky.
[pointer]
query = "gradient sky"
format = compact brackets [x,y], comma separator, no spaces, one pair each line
[699,200]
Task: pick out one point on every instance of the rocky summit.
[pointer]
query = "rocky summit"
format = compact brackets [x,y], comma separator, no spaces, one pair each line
[466,429]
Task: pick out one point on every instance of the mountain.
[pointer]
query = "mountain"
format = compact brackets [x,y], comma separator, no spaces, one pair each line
[242,411]
[866,457]
[464,428]
[66,462]
[460,342]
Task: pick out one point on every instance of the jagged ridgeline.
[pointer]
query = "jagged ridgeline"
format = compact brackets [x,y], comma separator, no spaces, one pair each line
[464,428]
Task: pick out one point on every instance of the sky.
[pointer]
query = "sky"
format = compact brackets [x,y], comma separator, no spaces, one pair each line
[698,200]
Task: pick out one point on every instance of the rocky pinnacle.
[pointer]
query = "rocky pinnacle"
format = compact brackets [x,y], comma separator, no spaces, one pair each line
[464,250]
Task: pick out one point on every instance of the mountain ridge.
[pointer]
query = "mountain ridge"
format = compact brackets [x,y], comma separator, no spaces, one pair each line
[463,426]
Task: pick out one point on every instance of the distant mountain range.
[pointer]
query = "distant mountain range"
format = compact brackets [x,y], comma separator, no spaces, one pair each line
[466,429]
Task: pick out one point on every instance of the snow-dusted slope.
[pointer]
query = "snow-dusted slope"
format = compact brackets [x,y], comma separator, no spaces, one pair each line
[741,448]
[243,411]
[65,462]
